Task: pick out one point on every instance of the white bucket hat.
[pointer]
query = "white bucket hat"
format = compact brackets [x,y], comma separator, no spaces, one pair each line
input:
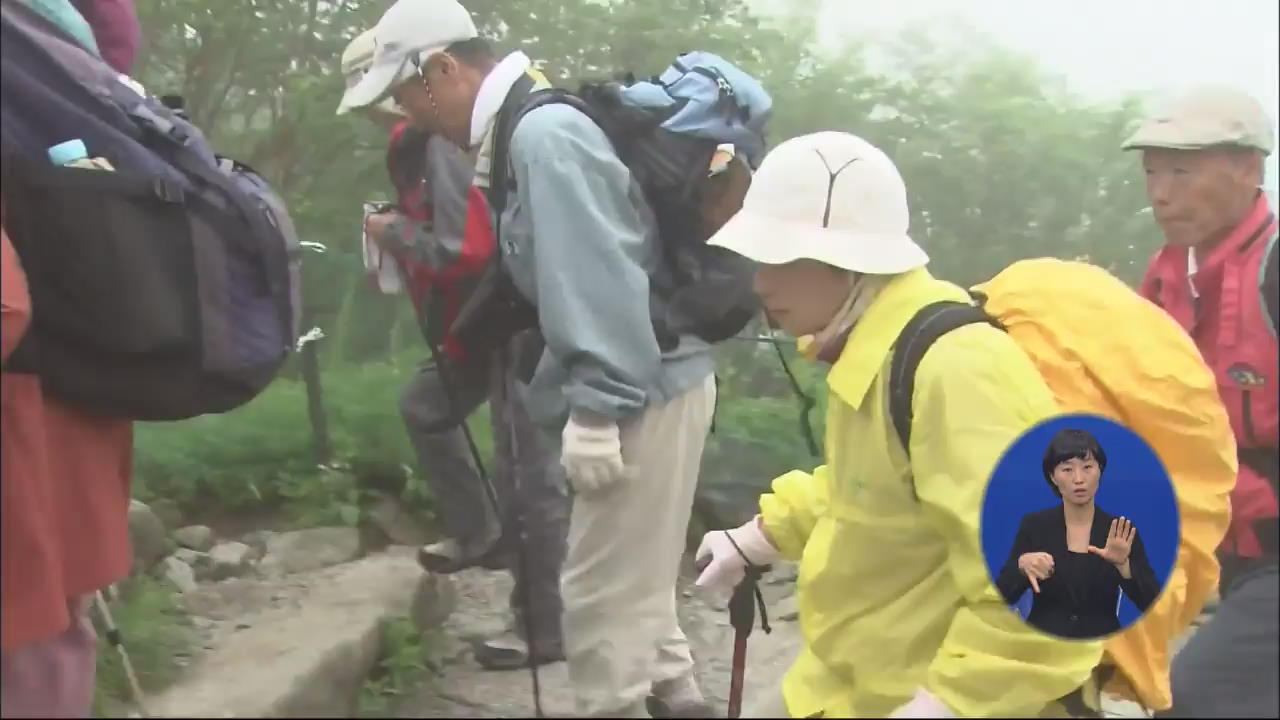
[831,197]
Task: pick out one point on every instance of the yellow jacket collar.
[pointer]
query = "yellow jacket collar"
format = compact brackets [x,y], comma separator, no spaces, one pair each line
[875,333]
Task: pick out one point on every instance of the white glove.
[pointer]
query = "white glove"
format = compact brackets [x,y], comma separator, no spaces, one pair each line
[728,566]
[923,705]
[591,455]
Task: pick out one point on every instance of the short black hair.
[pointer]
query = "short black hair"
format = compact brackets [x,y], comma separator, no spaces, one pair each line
[476,52]
[1067,444]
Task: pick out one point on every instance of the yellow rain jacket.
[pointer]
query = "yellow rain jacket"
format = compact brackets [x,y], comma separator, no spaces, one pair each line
[894,593]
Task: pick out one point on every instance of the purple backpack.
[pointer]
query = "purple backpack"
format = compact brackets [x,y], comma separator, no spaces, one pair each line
[166,289]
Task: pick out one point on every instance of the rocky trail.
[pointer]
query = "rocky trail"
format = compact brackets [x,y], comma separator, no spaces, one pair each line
[294,624]
[463,689]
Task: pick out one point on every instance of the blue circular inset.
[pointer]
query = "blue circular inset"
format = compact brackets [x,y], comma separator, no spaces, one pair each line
[1133,485]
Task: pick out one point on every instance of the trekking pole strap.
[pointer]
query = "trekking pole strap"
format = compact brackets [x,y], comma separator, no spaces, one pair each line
[741,609]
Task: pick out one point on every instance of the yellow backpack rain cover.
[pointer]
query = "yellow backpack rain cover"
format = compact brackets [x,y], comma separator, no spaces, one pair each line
[1104,349]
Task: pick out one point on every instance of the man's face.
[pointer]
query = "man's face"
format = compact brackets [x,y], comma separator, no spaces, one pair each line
[1198,196]
[441,98]
[414,97]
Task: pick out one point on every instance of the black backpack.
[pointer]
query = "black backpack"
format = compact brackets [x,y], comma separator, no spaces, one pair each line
[165,289]
[698,289]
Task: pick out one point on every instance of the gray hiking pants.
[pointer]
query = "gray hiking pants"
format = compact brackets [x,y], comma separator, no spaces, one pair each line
[526,475]
[1228,668]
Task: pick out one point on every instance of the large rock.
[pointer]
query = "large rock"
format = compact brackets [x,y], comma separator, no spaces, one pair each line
[168,512]
[433,601]
[199,562]
[229,559]
[394,522]
[305,660]
[258,540]
[147,533]
[194,537]
[311,549]
[179,574]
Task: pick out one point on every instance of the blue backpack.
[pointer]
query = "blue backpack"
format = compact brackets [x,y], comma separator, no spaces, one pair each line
[666,130]
[165,289]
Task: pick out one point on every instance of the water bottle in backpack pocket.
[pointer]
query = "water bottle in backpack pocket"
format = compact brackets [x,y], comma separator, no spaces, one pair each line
[165,288]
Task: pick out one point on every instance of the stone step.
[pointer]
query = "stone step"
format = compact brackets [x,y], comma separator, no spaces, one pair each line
[305,659]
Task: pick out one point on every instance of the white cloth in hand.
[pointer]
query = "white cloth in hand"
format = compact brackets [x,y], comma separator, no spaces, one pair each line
[379,265]
[591,455]
[727,566]
[923,705]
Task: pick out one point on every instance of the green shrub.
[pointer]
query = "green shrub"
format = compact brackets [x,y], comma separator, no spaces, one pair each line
[263,455]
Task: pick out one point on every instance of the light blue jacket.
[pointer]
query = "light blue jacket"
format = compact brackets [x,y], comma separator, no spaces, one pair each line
[579,241]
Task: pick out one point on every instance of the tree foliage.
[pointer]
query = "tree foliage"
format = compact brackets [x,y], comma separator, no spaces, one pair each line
[1001,162]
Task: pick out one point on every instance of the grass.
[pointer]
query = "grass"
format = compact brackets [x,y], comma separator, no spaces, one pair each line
[401,668]
[154,630]
[263,455]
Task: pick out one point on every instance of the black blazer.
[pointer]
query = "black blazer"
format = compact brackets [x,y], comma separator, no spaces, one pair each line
[1079,599]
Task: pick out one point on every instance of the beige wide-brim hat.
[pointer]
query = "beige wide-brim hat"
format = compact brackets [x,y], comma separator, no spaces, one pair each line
[410,32]
[357,58]
[1206,116]
[831,197]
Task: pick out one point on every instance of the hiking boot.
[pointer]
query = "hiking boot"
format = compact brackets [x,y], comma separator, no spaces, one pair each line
[678,698]
[509,652]
[448,556]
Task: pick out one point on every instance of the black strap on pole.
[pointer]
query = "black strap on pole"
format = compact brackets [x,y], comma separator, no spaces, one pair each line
[746,599]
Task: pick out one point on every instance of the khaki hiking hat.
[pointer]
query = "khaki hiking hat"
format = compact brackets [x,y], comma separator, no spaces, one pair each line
[409,33]
[831,197]
[356,60]
[1206,116]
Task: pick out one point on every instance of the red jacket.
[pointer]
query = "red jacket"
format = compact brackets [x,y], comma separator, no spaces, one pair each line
[1234,327]
[458,265]
[64,476]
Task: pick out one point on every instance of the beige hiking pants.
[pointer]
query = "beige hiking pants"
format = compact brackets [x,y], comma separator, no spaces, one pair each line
[625,543]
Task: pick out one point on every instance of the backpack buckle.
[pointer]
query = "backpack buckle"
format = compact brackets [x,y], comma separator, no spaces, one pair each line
[167,191]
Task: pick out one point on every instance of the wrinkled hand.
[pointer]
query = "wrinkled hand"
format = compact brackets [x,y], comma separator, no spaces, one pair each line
[592,455]
[375,226]
[1036,566]
[1119,542]
[923,705]
[725,566]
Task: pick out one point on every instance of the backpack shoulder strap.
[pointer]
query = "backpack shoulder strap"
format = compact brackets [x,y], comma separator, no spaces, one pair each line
[921,332]
[521,101]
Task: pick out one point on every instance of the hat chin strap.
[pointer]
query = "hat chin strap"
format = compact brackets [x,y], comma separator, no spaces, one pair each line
[863,289]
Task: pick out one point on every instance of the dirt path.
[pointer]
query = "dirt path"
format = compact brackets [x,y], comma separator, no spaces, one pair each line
[463,690]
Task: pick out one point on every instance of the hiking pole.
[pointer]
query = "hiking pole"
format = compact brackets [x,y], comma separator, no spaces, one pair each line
[114,637]
[519,517]
[742,606]
[491,493]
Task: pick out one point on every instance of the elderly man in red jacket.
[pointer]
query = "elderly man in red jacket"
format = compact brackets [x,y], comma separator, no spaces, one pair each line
[1203,153]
